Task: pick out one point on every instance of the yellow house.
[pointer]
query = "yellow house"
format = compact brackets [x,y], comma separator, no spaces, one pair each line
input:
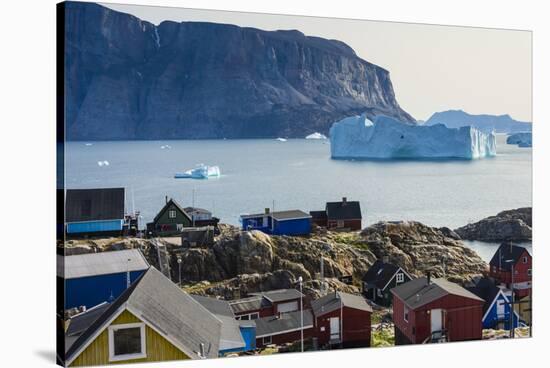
[153,320]
[524,309]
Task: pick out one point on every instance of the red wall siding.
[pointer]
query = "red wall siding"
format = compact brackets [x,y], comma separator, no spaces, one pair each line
[520,271]
[354,224]
[462,319]
[286,337]
[356,326]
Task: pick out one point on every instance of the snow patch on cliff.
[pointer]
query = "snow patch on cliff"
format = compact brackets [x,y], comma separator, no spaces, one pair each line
[357,137]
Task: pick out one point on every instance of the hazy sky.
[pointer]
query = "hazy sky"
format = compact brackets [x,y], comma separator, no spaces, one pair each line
[432,68]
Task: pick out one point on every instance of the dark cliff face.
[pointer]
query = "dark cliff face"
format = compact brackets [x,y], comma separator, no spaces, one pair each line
[129,79]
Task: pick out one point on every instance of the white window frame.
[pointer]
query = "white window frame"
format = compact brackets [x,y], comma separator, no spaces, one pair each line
[172,214]
[340,224]
[524,259]
[266,340]
[406,314]
[248,316]
[116,358]
[400,277]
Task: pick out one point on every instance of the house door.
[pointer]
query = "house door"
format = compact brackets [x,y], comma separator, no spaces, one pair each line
[436,319]
[500,308]
[335,328]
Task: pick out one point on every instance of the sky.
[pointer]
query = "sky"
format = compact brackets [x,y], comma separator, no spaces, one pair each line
[433,68]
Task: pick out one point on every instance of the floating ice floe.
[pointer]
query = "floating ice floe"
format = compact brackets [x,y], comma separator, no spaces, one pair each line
[357,137]
[103,163]
[316,135]
[281,139]
[201,171]
[165,146]
[87,144]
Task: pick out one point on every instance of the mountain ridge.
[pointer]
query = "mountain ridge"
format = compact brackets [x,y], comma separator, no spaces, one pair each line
[485,122]
[130,79]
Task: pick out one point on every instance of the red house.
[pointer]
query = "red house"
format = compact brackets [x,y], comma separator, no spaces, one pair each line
[283,328]
[437,310]
[339,215]
[342,319]
[265,304]
[506,258]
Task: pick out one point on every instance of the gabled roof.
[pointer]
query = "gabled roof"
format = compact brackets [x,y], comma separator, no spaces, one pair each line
[166,205]
[103,263]
[343,210]
[230,337]
[79,323]
[280,295]
[283,323]
[94,204]
[336,299]
[418,292]
[487,290]
[505,252]
[168,310]
[281,215]
[322,215]
[380,273]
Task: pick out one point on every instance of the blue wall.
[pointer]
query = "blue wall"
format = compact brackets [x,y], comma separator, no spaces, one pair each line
[94,226]
[256,223]
[292,227]
[91,291]
[249,336]
[491,319]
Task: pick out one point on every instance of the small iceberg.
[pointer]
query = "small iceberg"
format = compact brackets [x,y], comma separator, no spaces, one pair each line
[524,139]
[201,171]
[281,139]
[103,163]
[87,144]
[316,135]
[166,146]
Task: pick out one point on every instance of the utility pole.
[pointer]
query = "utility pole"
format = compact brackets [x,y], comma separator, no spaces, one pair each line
[512,329]
[300,280]
[128,274]
[322,276]
[179,267]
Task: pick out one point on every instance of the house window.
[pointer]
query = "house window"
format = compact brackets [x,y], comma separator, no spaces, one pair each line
[172,214]
[255,315]
[524,259]
[127,342]
[406,314]
[248,317]
[340,223]
[266,340]
[529,272]
[400,278]
[379,293]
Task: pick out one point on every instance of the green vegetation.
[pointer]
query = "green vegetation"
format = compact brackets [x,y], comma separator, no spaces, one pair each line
[269,351]
[383,337]
[353,239]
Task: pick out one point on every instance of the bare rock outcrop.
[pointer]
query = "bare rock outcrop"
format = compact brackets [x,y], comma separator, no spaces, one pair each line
[511,225]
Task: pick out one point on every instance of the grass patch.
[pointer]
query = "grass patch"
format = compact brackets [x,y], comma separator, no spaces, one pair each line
[269,351]
[352,239]
[382,338]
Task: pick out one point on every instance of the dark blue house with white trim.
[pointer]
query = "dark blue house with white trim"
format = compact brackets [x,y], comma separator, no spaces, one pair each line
[94,211]
[496,310]
[93,278]
[291,222]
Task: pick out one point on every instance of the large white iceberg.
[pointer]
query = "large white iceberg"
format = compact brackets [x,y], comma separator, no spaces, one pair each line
[357,137]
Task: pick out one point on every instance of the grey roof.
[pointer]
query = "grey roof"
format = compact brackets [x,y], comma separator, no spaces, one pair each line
[157,301]
[281,215]
[248,304]
[486,289]
[230,337]
[279,295]
[335,299]
[285,322]
[418,292]
[505,252]
[380,273]
[343,211]
[94,204]
[103,263]
[196,210]
[79,323]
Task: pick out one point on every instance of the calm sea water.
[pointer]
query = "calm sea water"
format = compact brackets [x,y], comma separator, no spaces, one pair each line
[300,174]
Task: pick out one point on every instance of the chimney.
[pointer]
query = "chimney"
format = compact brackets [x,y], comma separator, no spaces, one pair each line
[266,210]
[429,278]
[201,350]
[165,199]
[344,201]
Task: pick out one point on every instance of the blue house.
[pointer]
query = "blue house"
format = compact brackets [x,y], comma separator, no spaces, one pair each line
[496,310]
[93,278]
[292,222]
[94,211]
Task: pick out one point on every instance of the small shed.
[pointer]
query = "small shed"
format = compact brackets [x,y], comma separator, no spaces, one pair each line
[93,278]
[192,237]
[381,277]
[201,216]
[291,222]
[94,212]
[170,220]
[283,328]
[429,310]
[342,319]
[267,303]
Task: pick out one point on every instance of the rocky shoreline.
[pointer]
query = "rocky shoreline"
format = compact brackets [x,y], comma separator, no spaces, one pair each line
[239,262]
[511,225]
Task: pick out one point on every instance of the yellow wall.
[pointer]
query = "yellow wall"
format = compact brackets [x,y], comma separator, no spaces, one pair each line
[158,348]
[523,309]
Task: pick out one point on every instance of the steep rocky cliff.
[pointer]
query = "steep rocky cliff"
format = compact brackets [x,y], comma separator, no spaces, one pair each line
[511,225]
[129,79]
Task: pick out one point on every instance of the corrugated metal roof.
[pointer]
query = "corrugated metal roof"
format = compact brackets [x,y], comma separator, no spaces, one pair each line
[418,292]
[103,263]
[334,300]
[248,304]
[157,301]
[285,322]
[281,215]
[94,204]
